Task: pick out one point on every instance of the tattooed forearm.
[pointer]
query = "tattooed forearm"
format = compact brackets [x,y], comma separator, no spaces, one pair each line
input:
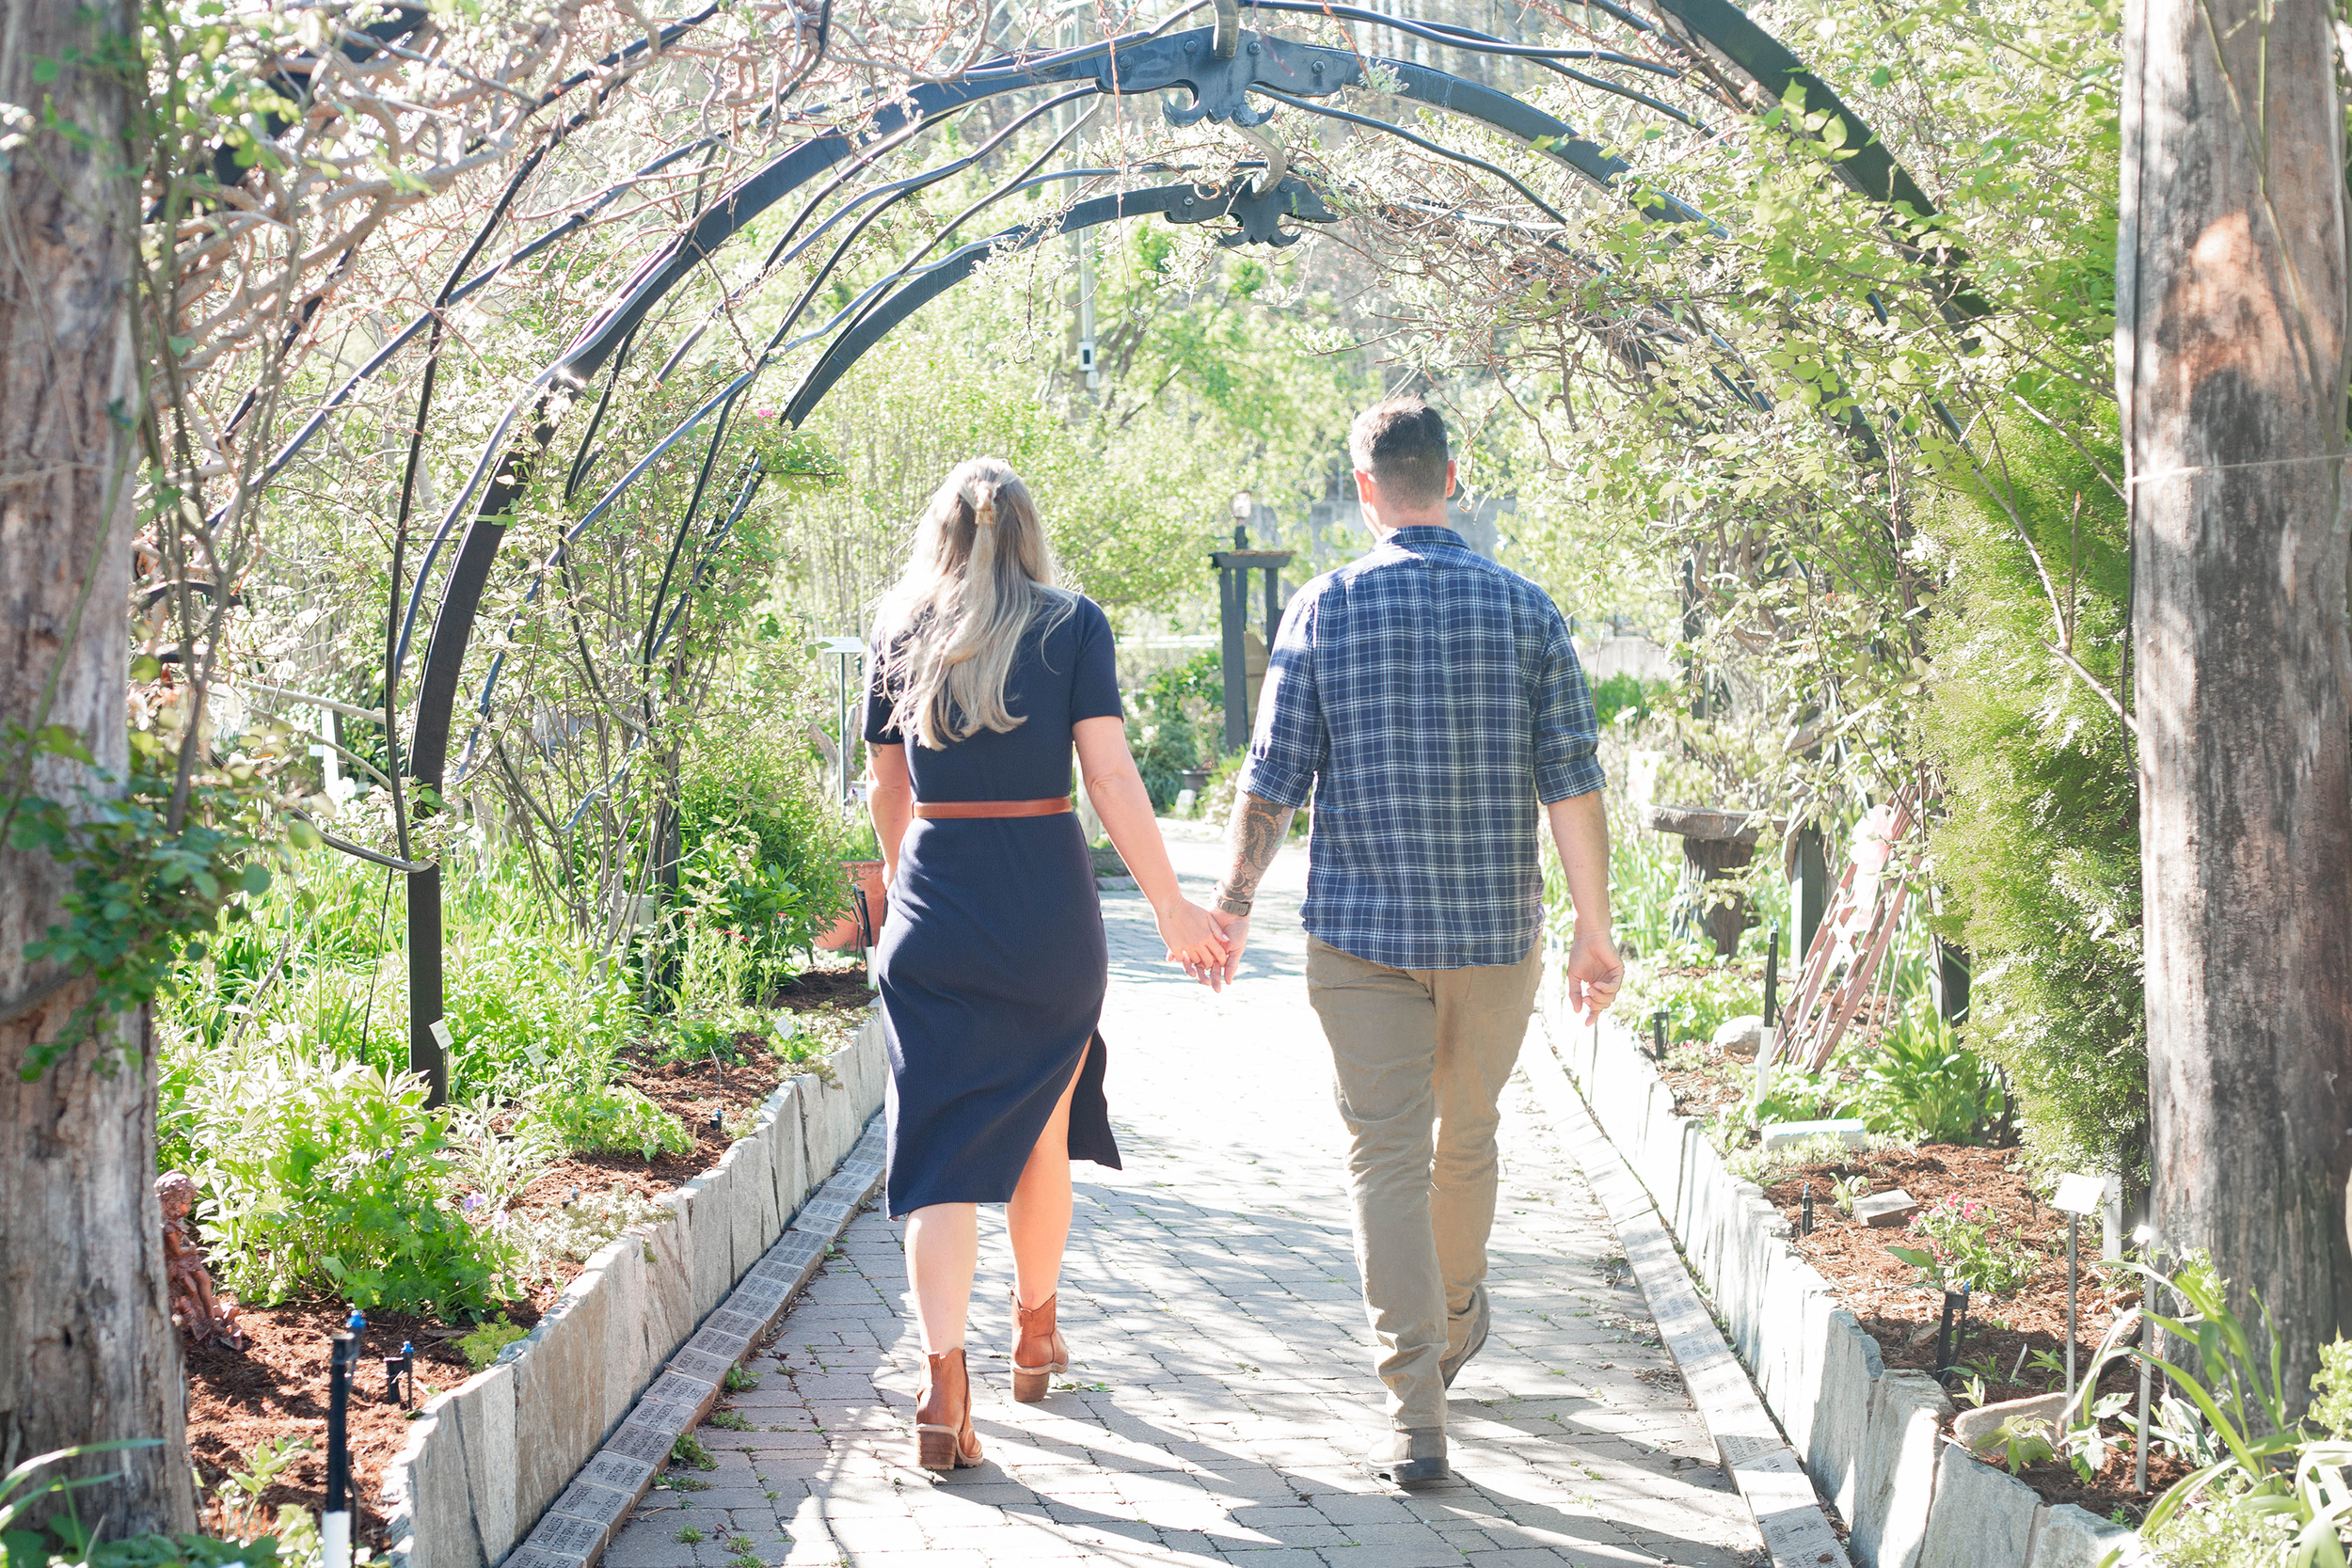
[1256,832]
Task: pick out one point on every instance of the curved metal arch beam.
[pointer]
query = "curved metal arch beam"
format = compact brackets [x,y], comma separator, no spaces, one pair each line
[1470,39]
[1126,67]
[1129,65]
[1871,171]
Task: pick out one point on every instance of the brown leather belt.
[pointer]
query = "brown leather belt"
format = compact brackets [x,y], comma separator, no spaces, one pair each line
[992,808]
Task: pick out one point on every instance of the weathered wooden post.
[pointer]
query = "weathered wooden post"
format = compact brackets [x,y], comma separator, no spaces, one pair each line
[2230,339]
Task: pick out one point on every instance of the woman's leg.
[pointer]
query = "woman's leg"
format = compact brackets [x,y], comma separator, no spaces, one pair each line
[1036,1220]
[943,1248]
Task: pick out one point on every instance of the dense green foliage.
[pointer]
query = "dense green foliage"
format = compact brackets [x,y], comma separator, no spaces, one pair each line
[152,873]
[1918,1081]
[335,1174]
[764,848]
[1172,724]
[2037,850]
[1627,694]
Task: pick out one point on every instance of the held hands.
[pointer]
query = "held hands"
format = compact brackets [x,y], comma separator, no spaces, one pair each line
[1235,929]
[1595,972]
[1191,936]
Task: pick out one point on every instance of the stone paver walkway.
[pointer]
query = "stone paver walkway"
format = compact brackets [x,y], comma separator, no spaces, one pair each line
[1221,1389]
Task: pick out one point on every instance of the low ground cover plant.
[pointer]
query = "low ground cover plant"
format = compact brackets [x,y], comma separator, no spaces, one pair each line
[1954,1249]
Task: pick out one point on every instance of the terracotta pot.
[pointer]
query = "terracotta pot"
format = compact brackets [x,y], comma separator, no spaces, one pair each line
[845,934]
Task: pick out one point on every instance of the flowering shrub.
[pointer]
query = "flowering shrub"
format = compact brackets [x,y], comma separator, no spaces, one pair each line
[1956,1251]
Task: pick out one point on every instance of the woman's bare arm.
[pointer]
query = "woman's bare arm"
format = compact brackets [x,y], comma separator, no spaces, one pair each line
[1116,788]
[890,800]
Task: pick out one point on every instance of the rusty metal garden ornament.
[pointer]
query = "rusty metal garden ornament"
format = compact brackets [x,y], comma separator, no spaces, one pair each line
[195,1309]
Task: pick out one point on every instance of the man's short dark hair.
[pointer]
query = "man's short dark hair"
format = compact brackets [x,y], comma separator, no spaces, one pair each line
[1400,443]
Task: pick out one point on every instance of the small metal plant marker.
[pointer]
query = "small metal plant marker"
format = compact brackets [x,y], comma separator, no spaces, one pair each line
[2078,1196]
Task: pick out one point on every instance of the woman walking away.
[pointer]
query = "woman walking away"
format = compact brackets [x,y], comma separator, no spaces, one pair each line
[993,964]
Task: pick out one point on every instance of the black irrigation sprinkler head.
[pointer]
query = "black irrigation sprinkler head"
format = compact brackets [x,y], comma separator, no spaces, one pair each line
[1954,1330]
[1804,1226]
[343,1367]
[396,1370]
[1658,1034]
[1772,977]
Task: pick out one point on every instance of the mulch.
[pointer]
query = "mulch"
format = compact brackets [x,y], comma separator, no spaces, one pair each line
[278,1383]
[2001,1334]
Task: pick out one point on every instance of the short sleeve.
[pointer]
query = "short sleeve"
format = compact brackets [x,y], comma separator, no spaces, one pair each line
[881,714]
[1094,683]
[1291,745]
[1567,734]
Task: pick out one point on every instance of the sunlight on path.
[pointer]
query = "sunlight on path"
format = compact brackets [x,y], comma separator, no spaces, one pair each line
[1220,1391]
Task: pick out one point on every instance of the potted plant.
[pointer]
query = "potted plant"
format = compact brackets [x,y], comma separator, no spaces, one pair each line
[861,869]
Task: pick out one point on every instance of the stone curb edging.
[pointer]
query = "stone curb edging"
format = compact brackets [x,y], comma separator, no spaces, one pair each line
[583,1521]
[1870,1438]
[486,1461]
[1796,1533]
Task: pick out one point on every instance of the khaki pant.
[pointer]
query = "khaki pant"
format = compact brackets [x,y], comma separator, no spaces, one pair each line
[1419,1057]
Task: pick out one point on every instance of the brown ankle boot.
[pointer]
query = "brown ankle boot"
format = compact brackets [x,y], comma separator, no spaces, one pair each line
[1038,1351]
[943,1438]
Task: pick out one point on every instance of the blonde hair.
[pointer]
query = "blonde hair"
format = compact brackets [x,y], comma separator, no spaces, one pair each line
[948,628]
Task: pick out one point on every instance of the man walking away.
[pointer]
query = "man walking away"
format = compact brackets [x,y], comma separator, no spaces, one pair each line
[1429,698]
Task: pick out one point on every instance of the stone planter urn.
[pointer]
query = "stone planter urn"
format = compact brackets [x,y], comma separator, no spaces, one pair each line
[1715,843]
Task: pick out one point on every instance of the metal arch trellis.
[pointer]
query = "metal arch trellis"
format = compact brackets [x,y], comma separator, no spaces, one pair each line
[1220,64]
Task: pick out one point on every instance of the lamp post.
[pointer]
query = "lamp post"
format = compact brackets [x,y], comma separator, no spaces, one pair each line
[848,652]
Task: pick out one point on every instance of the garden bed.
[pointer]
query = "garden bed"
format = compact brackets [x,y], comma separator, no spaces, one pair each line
[2014,1345]
[1866,1421]
[277,1385]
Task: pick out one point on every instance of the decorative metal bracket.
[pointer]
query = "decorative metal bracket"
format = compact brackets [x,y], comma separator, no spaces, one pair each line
[1259,215]
[1220,87]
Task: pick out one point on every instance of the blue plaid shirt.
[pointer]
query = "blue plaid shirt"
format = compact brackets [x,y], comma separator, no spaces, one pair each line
[1430,698]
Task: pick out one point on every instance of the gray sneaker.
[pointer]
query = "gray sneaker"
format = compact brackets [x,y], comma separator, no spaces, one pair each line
[1410,1458]
[1455,1361]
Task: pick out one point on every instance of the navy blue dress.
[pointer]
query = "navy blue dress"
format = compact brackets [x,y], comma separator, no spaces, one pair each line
[992,962]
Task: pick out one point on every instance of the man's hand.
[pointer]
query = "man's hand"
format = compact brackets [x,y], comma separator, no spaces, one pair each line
[1234,929]
[1595,972]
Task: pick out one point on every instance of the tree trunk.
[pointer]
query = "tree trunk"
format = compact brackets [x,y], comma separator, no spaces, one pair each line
[86,1347]
[2230,365]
